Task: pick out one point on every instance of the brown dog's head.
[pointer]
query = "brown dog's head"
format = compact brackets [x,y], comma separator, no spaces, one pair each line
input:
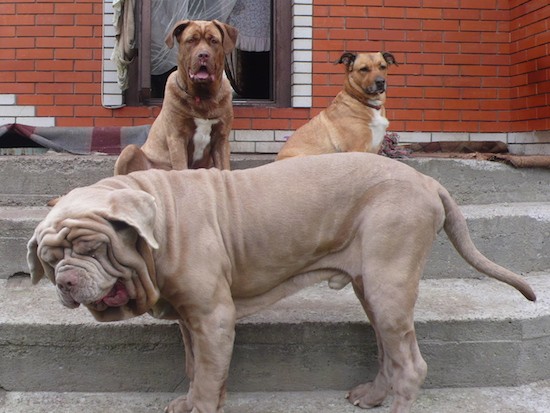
[203,45]
[367,73]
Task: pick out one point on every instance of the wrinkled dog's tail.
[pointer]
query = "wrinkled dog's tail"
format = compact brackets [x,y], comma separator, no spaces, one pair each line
[457,230]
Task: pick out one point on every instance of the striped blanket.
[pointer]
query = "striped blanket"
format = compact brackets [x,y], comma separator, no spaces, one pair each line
[79,140]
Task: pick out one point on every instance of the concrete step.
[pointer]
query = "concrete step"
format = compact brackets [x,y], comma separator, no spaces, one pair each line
[33,180]
[471,332]
[531,398]
[485,182]
[515,235]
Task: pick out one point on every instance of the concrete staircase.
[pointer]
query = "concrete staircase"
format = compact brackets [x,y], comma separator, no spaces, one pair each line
[487,347]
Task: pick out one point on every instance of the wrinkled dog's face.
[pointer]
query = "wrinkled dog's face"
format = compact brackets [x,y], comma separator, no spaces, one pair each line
[93,246]
[85,268]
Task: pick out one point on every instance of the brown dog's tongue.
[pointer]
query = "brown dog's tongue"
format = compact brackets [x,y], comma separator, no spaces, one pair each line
[201,75]
[117,297]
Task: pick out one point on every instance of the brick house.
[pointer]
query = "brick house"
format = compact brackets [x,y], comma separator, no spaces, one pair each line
[468,69]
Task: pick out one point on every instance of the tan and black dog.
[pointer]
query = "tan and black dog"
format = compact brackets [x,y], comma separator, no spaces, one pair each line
[192,129]
[355,120]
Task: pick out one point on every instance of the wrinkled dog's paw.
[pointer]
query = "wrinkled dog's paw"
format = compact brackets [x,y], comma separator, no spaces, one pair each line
[179,405]
[366,396]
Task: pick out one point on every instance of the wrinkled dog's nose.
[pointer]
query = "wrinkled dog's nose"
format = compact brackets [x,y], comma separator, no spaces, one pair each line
[66,280]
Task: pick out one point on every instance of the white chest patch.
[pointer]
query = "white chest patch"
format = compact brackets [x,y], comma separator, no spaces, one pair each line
[202,136]
[378,127]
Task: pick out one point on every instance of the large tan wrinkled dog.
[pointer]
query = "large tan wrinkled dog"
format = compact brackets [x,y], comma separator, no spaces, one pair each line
[208,246]
[192,129]
[355,121]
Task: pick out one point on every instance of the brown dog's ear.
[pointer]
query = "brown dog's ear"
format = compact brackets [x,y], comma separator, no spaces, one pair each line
[347,59]
[388,57]
[179,27]
[229,35]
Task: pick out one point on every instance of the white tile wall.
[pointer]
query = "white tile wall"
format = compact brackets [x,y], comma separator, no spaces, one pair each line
[11,112]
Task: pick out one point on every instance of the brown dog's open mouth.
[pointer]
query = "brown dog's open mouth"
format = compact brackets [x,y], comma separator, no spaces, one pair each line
[117,297]
[202,75]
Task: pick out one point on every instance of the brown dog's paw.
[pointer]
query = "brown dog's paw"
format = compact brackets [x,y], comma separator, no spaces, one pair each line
[179,405]
[366,396]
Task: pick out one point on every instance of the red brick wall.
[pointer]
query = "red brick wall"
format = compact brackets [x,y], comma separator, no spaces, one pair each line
[465,65]
[530,65]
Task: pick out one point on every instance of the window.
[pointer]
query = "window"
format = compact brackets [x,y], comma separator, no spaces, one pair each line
[259,78]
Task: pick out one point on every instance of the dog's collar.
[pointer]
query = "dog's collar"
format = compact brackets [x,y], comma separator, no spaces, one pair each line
[197,98]
[370,105]
[361,97]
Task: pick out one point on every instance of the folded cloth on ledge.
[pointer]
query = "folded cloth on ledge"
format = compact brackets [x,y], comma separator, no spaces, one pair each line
[78,140]
[483,151]
[457,147]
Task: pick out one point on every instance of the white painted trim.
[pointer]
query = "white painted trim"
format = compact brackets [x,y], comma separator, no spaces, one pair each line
[302,54]
[111,95]
[520,143]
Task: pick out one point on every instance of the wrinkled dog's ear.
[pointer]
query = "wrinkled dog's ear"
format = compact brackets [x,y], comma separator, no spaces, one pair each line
[46,237]
[229,35]
[136,208]
[35,265]
[176,31]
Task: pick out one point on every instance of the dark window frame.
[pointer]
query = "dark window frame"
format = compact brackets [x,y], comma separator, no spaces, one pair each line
[139,92]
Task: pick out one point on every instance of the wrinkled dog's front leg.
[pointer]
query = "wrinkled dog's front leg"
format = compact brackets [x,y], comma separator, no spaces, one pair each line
[183,404]
[208,339]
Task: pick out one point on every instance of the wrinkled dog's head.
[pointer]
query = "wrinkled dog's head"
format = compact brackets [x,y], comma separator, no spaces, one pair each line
[95,247]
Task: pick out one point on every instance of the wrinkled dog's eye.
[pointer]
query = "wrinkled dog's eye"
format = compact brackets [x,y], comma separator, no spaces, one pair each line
[85,247]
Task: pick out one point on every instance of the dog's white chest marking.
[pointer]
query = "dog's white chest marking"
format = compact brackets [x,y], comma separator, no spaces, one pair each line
[202,136]
[378,127]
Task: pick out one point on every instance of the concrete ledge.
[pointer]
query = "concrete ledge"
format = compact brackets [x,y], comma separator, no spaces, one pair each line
[514,235]
[34,180]
[471,333]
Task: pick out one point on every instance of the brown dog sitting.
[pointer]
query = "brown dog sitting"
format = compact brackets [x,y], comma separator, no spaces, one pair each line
[192,129]
[355,120]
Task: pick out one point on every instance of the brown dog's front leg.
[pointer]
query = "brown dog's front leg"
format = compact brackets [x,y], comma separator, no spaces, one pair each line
[177,148]
[221,155]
